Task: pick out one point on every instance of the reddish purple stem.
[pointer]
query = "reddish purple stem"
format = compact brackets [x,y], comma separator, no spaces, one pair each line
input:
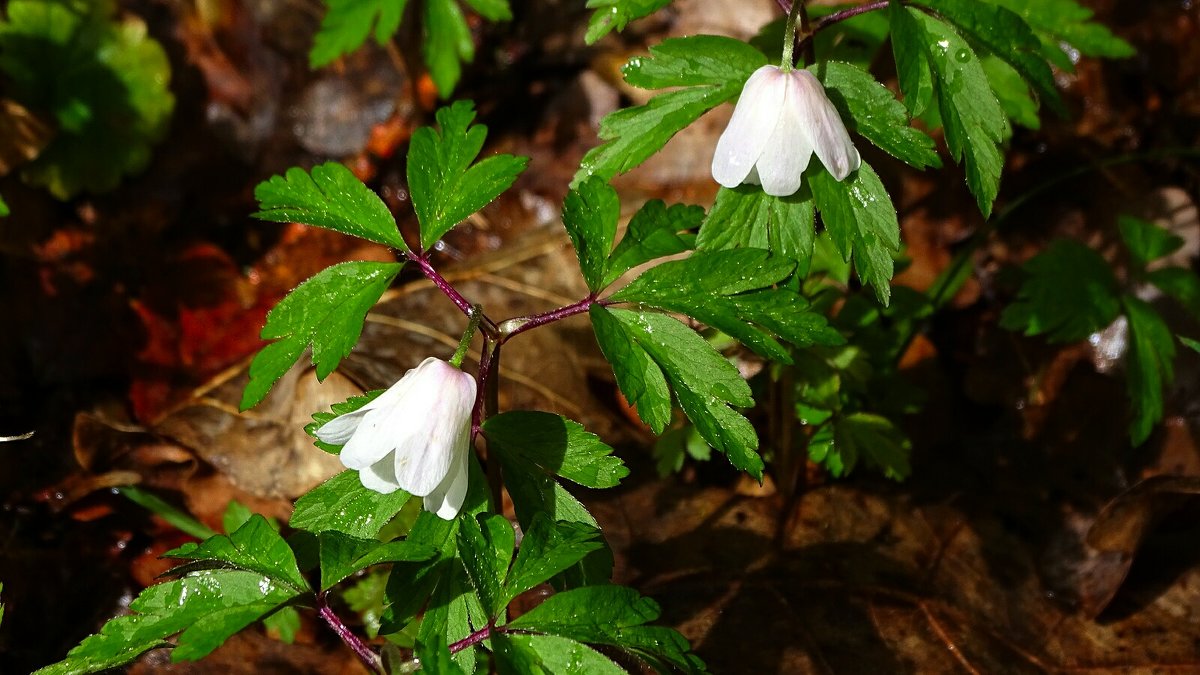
[552,316]
[365,654]
[473,639]
[830,19]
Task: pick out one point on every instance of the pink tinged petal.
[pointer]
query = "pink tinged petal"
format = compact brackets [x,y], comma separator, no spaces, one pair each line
[439,429]
[447,498]
[754,119]
[788,152]
[380,476]
[374,438]
[340,429]
[827,132]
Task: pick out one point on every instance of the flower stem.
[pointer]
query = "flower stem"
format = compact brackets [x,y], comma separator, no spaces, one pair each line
[789,36]
[520,324]
[473,639]
[365,654]
[465,343]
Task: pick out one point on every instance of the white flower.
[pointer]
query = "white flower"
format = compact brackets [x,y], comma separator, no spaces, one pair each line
[415,436]
[780,120]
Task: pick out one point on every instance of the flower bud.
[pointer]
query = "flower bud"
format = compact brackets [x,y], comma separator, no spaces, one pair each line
[416,436]
[781,120]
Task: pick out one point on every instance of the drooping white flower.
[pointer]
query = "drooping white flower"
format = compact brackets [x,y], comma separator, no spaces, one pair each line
[780,121]
[415,436]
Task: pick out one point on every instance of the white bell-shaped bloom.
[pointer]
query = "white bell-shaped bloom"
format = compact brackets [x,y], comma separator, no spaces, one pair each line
[780,121]
[415,436]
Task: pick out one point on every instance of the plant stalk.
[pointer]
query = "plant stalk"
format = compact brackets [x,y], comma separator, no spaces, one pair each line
[365,654]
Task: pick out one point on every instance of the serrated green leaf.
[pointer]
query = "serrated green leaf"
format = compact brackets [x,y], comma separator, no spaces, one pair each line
[705,384]
[1191,344]
[861,221]
[343,504]
[1069,293]
[446,187]
[326,311]
[343,555]
[436,660]
[284,623]
[1065,21]
[1149,366]
[714,70]
[590,213]
[1007,36]
[616,14]
[975,124]
[747,217]
[912,58]
[448,615]
[255,546]
[208,606]
[485,545]
[104,81]
[492,10]
[1012,92]
[447,44]
[547,549]
[236,515]
[329,196]
[870,109]
[655,231]
[731,290]
[873,439]
[521,653]
[547,442]
[611,615]
[348,23]
[1147,242]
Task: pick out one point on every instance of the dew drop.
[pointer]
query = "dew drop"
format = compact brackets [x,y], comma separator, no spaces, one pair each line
[962,55]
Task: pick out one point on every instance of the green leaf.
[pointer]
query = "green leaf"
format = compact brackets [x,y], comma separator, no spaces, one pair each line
[647,348]
[3,208]
[447,44]
[1149,366]
[714,70]
[448,615]
[236,515]
[343,555]
[182,521]
[326,311]
[330,197]
[104,81]
[1007,36]
[611,615]
[873,439]
[522,653]
[870,109]
[731,290]
[1147,242]
[436,660]
[284,622]
[1179,283]
[343,504]
[1191,344]
[486,546]
[1065,21]
[615,14]
[747,217]
[492,10]
[255,547]
[655,231]
[975,124]
[320,419]
[348,23]
[542,441]
[446,187]
[590,214]
[547,549]
[861,221]
[1069,293]
[912,59]
[1012,92]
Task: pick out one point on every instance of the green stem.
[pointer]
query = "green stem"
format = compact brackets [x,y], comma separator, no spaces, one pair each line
[464,344]
[789,37]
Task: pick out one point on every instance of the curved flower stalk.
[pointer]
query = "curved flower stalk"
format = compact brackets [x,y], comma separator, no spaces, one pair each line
[781,120]
[416,436]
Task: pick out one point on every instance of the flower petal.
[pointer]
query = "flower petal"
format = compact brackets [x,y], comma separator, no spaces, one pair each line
[380,476]
[423,460]
[827,132]
[447,498]
[788,152]
[754,118]
[340,429]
